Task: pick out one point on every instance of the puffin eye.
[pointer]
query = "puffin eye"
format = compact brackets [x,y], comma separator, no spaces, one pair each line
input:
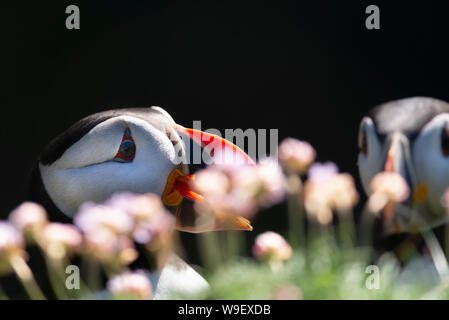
[445,141]
[363,143]
[127,149]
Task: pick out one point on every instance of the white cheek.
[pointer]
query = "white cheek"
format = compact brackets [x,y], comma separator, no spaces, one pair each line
[371,164]
[432,168]
[69,188]
[148,172]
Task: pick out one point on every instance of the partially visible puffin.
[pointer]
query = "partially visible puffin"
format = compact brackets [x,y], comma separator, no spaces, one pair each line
[411,137]
[138,150]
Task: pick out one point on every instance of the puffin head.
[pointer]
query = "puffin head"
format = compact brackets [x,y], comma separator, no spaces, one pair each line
[135,150]
[410,137]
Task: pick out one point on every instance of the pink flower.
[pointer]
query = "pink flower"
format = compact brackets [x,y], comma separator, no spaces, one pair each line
[240,190]
[93,216]
[273,182]
[29,217]
[131,285]
[213,181]
[271,246]
[151,219]
[287,292]
[321,172]
[109,248]
[11,244]
[11,240]
[296,155]
[60,239]
[327,190]
[392,185]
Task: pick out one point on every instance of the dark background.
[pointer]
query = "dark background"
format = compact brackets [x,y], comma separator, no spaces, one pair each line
[308,68]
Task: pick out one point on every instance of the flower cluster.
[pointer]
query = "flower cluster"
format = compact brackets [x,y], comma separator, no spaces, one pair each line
[131,285]
[57,240]
[110,228]
[327,190]
[104,233]
[296,156]
[12,244]
[240,190]
[271,246]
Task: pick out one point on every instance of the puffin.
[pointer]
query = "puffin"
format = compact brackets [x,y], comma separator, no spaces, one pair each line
[410,137]
[138,150]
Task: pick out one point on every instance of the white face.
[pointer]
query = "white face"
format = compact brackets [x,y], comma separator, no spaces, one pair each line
[370,159]
[89,170]
[429,159]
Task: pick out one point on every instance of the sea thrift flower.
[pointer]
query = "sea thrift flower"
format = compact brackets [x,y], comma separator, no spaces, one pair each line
[151,219]
[320,172]
[295,155]
[130,285]
[273,183]
[240,190]
[93,216]
[222,193]
[327,190]
[11,244]
[392,185]
[29,218]
[109,248]
[345,195]
[271,246]
[287,292]
[140,207]
[212,181]
[60,239]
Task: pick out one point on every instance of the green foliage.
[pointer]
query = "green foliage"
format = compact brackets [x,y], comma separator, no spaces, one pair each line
[326,271]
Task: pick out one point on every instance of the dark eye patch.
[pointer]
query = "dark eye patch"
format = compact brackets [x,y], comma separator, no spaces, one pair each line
[445,141]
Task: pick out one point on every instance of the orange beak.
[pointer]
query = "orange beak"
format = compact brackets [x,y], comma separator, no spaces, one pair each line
[398,160]
[178,184]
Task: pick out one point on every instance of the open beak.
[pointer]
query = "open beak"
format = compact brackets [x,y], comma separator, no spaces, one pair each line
[178,191]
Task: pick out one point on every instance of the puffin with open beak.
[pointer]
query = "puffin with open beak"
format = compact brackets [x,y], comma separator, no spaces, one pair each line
[411,137]
[138,150]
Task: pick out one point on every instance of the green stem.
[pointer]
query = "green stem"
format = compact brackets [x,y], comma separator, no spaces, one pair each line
[210,250]
[93,274]
[26,277]
[296,228]
[346,229]
[234,242]
[56,279]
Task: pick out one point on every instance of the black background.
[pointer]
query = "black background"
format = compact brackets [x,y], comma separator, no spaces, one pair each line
[308,68]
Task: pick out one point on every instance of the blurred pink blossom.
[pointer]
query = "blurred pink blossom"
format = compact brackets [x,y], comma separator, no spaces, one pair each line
[93,216]
[109,248]
[11,240]
[130,285]
[240,190]
[271,246]
[60,239]
[29,217]
[320,172]
[287,292]
[12,244]
[392,185]
[296,155]
[327,190]
[150,216]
